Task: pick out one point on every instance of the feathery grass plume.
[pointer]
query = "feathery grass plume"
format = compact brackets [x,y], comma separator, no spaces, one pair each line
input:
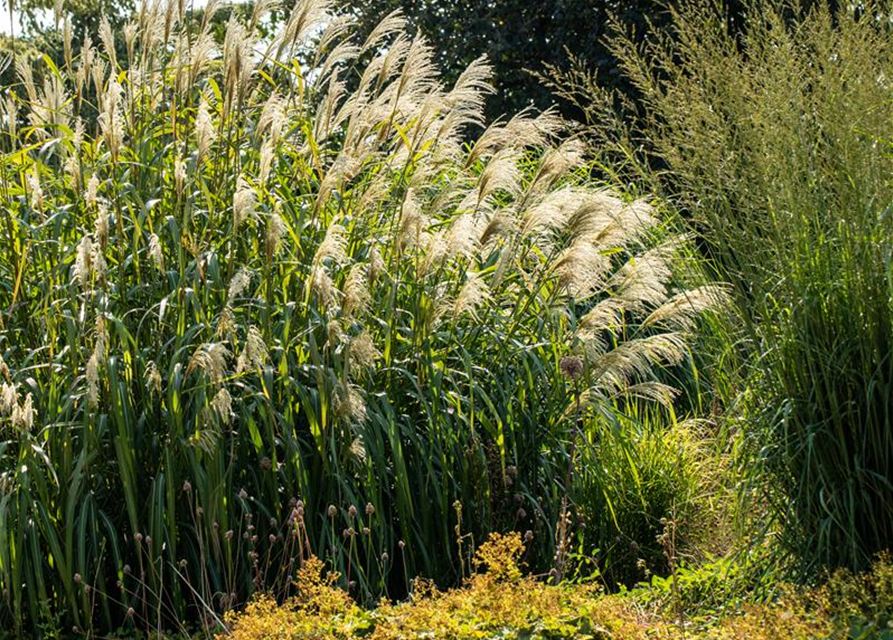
[272,118]
[51,112]
[642,282]
[130,31]
[35,190]
[66,44]
[261,9]
[23,414]
[156,253]
[634,361]
[356,291]
[152,378]
[322,286]
[97,75]
[464,235]
[82,270]
[332,54]
[95,362]
[331,116]
[363,352]
[603,319]
[267,158]
[85,66]
[211,9]
[550,212]
[557,162]
[11,116]
[413,224]
[26,75]
[333,246]
[392,24]
[466,100]
[222,406]
[107,36]
[238,60]
[254,354]
[473,293]
[239,284]
[581,268]
[305,15]
[349,405]
[111,119]
[8,398]
[501,174]
[275,232]
[681,311]
[244,200]
[72,170]
[204,131]
[201,54]
[210,358]
[91,194]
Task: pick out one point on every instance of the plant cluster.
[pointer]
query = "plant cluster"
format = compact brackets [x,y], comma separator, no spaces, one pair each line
[775,146]
[240,302]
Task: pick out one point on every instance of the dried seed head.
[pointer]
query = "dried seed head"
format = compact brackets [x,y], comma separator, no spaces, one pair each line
[254,355]
[204,131]
[153,378]
[211,359]
[8,398]
[156,253]
[275,232]
[571,367]
[244,200]
[35,191]
[101,226]
[222,405]
[111,119]
[83,264]
[23,415]
[356,291]
[239,284]
[90,196]
[363,353]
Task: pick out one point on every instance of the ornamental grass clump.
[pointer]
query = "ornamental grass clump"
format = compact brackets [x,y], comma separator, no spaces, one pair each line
[775,145]
[250,284]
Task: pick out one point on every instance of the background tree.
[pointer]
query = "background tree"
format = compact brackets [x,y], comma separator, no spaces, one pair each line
[522,38]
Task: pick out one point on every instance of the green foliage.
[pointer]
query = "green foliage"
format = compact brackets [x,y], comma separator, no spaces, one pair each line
[517,37]
[635,475]
[774,146]
[487,606]
[248,316]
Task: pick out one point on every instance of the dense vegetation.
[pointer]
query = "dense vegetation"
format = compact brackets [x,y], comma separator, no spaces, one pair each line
[296,339]
[776,147]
